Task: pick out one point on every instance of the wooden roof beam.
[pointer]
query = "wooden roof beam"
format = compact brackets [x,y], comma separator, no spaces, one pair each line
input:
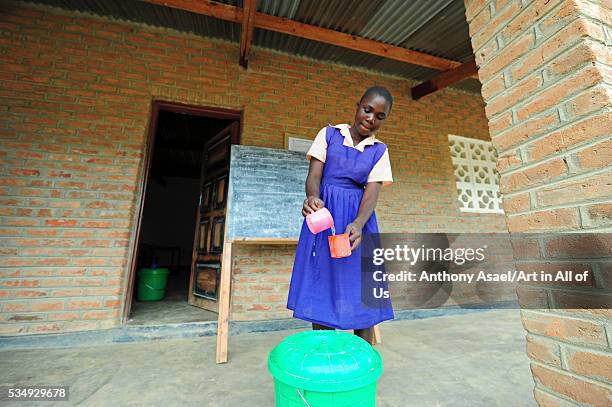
[340,39]
[204,7]
[444,79]
[311,32]
[246,34]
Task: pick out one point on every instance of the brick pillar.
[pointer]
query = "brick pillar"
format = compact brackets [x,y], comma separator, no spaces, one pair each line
[546,70]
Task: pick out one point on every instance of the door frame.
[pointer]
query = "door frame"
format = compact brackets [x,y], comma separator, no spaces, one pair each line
[156,107]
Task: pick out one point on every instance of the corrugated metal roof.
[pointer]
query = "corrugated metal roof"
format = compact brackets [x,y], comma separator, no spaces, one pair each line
[399,19]
[436,27]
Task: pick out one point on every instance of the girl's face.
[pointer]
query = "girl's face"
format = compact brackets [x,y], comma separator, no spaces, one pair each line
[371,113]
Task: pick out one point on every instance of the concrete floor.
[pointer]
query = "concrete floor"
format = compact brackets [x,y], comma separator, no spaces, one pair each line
[442,361]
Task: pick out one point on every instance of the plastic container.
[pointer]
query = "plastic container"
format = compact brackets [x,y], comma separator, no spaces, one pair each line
[320,220]
[339,246]
[152,284]
[324,369]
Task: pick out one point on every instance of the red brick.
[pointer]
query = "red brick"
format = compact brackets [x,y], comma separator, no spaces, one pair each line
[576,133]
[29,294]
[557,219]
[498,20]
[509,55]
[499,124]
[51,327]
[27,172]
[525,248]
[259,307]
[63,316]
[100,314]
[556,93]
[531,297]
[545,351]
[479,21]
[508,160]
[61,222]
[597,366]
[545,172]
[597,215]
[571,387]
[473,7]
[515,204]
[565,329]
[19,283]
[52,305]
[545,399]
[594,304]
[485,54]
[596,156]
[575,191]
[22,317]
[589,101]
[84,304]
[514,95]
[16,306]
[579,246]
[525,130]
[112,304]
[530,15]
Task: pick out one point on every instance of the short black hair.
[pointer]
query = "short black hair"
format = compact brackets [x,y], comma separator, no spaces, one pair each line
[378,91]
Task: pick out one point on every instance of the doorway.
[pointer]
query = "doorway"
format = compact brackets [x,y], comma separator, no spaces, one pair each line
[185,183]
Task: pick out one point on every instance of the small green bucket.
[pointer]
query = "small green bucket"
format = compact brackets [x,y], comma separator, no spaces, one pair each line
[152,284]
[324,369]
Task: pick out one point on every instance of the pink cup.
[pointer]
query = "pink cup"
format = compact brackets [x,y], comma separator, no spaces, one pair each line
[319,221]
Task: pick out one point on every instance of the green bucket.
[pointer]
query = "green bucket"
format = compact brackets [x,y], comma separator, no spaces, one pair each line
[324,369]
[152,284]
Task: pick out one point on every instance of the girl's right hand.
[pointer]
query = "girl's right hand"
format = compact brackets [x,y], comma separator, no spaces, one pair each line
[311,204]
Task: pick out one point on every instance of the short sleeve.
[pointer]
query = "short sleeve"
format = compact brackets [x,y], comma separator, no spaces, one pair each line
[381,172]
[318,149]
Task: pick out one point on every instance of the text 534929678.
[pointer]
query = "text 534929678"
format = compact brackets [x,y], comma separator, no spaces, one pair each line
[32,393]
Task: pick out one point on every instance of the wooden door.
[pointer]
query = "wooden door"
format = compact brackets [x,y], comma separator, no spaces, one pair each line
[210,224]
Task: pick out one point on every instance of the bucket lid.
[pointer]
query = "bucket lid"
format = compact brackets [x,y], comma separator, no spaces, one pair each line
[326,361]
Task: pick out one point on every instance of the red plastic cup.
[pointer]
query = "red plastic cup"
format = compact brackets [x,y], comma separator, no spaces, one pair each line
[320,220]
[339,245]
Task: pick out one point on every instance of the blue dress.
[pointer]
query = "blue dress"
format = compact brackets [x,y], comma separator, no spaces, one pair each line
[325,290]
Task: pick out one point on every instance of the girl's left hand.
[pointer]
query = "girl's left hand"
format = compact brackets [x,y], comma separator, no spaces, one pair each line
[354,231]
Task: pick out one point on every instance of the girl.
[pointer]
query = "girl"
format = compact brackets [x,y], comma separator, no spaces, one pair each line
[348,165]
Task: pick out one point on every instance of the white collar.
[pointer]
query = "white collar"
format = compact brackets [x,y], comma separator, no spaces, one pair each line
[348,140]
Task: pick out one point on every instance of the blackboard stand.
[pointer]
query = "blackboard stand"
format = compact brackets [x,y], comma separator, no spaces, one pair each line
[225,291]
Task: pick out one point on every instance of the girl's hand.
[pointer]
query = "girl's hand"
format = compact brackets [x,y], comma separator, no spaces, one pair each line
[354,231]
[311,204]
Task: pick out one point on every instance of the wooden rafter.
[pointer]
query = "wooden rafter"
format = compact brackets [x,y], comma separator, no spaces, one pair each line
[246,34]
[311,32]
[204,7]
[340,39]
[444,79]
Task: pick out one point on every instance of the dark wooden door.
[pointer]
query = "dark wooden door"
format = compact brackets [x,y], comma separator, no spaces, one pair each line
[210,225]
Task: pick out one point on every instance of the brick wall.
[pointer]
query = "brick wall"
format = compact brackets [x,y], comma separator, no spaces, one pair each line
[546,70]
[75,97]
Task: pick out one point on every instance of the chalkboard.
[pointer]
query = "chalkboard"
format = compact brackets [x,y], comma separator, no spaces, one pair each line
[266,192]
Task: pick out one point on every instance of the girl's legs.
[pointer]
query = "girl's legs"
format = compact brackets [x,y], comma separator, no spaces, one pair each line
[318,327]
[367,334]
